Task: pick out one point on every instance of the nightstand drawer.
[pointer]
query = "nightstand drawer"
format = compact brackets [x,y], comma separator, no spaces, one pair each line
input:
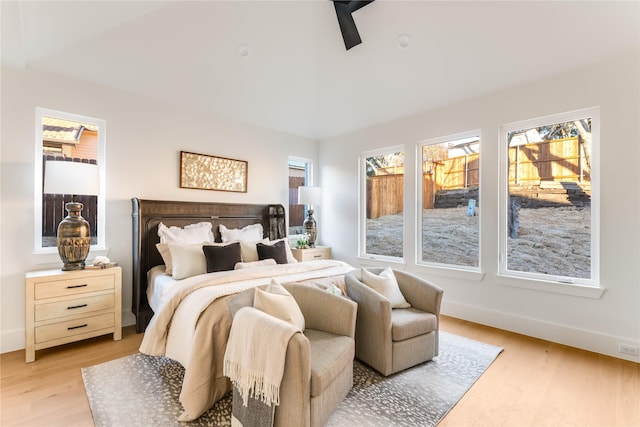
[71,307]
[73,327]
[311,254]
[75,286]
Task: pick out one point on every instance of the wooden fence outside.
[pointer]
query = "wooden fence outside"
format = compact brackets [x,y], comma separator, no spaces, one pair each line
[53,205]
[556,160]
[384,195]
[296,211]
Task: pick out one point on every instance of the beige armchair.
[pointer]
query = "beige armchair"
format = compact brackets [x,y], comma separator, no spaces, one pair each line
[318,370]
[391,340]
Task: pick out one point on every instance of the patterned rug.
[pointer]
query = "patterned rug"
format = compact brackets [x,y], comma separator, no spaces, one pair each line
[141,391]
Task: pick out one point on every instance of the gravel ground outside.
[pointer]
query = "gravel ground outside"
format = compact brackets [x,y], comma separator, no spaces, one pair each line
[553,240]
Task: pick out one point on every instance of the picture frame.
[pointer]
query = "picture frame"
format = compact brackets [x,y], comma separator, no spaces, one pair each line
[206,172]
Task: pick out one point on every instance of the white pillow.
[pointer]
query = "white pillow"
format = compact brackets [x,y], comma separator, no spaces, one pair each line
[261,263]
[250,233]
[187,235]
[290,258]
[249,251]
[387,285]
[163,248]
[278,302]
[187,260]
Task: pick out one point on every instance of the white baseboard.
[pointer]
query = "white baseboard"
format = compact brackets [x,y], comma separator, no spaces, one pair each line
[14,340]
[554,332]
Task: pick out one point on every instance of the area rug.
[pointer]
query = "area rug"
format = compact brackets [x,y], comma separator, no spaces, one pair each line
[142,391]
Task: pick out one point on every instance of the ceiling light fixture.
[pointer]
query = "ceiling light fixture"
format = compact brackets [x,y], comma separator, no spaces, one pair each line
[404,41]
[243,51]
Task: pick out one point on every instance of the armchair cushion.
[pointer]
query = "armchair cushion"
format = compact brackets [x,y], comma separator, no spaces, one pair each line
[330,354]
[386,284]
[408,323]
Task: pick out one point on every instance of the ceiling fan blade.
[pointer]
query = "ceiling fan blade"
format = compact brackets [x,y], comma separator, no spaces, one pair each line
[348,27]
[357,4]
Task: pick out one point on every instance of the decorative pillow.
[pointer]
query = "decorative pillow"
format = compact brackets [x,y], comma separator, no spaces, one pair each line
[249,251]
[242,299]
[187,260]
[187,235]
[277,251]
[251,233]
[277,301]
[251,264]
[387,285]
[222,258]
[163,248]
[290,258]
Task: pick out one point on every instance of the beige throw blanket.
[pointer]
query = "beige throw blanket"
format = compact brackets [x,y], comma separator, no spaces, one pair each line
[254,361]
[201,326]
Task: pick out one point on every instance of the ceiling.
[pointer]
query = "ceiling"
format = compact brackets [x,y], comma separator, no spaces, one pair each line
[283,65]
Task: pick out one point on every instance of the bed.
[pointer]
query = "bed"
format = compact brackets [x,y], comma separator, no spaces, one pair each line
[192,319]
[148,214]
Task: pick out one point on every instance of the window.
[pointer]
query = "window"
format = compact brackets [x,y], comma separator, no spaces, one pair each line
[67,137]
[448,200]
[549,202]
[382,178]
[299,175]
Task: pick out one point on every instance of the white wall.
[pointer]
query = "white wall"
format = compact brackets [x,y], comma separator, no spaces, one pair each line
[595,324]
[144,138]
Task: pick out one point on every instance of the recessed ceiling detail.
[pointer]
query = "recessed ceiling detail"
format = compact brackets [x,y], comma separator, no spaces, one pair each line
[243,51]
[404,40]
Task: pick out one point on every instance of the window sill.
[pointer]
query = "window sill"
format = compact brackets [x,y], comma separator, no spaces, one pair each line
[50,256]
[399,264]
[381,261]
[457,273]
[593,292]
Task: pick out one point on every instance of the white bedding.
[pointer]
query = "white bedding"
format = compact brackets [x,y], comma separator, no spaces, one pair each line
[157,283]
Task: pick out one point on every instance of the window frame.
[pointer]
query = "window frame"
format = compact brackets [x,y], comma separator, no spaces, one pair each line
[362,208]
[100,246]
[308,181]
[419,202]
[567,285]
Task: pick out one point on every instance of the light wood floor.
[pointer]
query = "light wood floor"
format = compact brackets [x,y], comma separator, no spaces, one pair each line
[532,383]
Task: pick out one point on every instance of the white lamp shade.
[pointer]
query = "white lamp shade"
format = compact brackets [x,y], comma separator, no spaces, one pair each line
[309,195]
[62,177]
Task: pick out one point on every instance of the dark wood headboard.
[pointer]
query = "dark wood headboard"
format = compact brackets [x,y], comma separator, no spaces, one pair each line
[147,214]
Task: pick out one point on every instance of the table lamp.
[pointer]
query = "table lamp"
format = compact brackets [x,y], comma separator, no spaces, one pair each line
[310,196]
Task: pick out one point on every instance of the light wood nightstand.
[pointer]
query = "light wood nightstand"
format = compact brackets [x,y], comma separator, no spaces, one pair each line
[319,252]
[66,306]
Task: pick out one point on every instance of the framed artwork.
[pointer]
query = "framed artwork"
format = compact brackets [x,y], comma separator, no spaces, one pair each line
[206,172]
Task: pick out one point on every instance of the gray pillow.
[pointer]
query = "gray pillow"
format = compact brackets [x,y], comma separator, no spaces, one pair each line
[242,299]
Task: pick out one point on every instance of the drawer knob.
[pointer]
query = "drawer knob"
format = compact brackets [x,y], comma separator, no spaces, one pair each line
[77,286]
[317,256]
[76,306]
[77,327]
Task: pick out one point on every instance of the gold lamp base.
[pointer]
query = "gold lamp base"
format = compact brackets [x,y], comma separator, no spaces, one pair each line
[74,238]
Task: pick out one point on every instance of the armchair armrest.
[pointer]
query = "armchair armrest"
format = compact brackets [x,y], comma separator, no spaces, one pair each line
[420,293]
[325,311]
